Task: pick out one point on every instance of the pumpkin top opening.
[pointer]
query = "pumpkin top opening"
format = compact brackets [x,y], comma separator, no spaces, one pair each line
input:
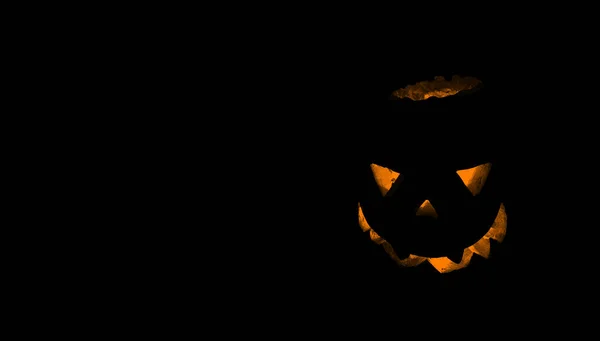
[439,87]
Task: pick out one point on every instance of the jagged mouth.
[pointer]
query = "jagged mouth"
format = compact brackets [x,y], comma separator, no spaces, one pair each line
[474,178]
[482,247]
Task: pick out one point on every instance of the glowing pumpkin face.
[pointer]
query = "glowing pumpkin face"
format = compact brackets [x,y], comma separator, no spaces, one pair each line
[433,213]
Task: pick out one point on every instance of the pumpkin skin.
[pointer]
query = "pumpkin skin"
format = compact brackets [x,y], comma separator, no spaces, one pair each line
[465,211]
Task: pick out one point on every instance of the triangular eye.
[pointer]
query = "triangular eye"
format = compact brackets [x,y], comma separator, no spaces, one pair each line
[385,178]
[474,178]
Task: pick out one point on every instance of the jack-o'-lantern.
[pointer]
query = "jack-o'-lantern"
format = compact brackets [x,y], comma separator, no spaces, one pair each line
[437,213]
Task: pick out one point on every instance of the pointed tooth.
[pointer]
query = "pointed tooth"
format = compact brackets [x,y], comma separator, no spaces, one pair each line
[482,247]
[456,256]
[390,250]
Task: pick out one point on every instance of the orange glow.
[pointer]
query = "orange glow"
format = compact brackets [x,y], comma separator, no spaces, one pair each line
[439,87]
[474,178]
[384,177]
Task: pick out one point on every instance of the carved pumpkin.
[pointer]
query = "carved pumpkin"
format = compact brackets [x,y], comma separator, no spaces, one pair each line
[432,213]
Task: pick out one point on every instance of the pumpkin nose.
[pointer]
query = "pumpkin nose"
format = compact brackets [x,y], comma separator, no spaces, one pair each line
[426,210]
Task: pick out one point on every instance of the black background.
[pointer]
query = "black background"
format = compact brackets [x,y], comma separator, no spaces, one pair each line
[513,117]
[288,224]
[230,152]
[297,122]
